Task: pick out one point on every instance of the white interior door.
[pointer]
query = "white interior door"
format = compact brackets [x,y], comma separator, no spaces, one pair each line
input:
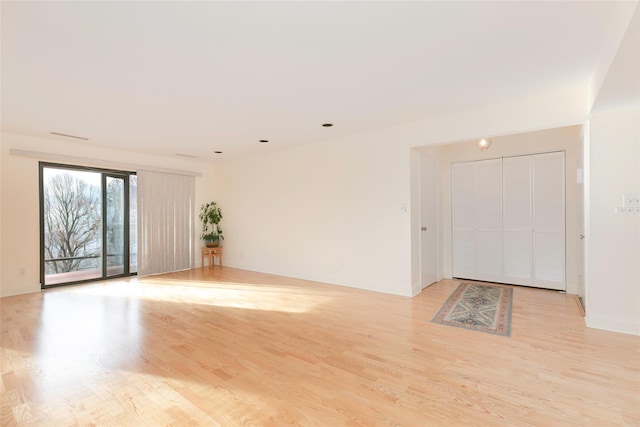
[429,257]
[580,181]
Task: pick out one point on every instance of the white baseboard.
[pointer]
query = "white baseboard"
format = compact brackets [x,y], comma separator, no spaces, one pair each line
[613,325]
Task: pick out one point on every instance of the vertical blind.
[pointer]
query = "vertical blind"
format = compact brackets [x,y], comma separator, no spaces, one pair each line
[166,226]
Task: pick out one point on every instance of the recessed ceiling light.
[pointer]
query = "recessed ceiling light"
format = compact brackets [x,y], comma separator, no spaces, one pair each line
[66,135]
[264,140]
[327,125]
[217,152]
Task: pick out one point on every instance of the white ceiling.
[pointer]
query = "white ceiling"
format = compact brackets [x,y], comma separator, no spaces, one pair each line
[195,77]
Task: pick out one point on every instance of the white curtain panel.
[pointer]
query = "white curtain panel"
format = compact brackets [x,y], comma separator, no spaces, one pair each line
[166,228]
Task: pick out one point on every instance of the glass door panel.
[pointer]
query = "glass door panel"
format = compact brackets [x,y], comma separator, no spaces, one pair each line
[115,226]
[133,224]
[72,226]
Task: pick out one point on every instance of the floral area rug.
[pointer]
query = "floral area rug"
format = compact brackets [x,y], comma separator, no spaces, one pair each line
[479,307]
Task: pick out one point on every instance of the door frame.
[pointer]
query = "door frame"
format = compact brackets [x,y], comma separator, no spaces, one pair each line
[125,224]
[581,255]
[103,177]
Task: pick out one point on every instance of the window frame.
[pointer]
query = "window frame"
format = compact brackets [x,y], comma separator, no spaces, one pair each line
[104,173]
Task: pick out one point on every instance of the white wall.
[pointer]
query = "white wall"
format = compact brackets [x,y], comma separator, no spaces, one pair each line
[19,217]
[329,212]
[559,139]
[612,239]
[612,164]
[332,212]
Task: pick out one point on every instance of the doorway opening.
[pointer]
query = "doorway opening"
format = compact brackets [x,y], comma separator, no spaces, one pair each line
[88,224]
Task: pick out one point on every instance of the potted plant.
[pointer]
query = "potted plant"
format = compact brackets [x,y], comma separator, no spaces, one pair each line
[210,215]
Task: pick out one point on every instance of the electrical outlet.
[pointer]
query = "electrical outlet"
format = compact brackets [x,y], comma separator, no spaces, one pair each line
[21,272]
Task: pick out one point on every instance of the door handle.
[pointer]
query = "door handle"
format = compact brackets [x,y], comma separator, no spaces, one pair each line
[423,228]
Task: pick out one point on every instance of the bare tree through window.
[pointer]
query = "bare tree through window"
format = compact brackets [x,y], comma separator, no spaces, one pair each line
[88,224]
[72,223]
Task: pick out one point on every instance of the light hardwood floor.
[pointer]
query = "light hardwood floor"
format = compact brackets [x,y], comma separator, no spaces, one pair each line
[220,346]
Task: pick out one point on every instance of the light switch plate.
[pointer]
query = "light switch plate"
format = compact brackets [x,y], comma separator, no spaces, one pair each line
[631,200]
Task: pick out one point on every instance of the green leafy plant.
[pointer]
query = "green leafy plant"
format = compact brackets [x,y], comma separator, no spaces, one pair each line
[210,215]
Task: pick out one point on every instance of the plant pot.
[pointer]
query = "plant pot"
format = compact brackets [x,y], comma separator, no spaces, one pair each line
[213,242]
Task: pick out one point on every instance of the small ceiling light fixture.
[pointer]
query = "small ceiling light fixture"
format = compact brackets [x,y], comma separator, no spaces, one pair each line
[217,152]
[484,144]
[327,125]
[264,140]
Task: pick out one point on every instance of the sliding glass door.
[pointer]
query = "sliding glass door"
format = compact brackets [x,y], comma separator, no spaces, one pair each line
[114,229]
[85,224]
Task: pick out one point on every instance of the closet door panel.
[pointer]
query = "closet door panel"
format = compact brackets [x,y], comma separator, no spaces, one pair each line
[517,257]
[464,254]
[517,220]
[489,256]
[463,190]
[549,221]
[489,195]
[489,220]
[463,219]
[517,193]
[508,220]
[548,192]
[548,256]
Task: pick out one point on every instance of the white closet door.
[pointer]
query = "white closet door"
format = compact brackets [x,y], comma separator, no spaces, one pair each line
[517,220]
[549,221]
[508,220]
[463,219]
[489,220]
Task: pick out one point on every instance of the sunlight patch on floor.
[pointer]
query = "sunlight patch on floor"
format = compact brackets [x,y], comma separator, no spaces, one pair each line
[223,294]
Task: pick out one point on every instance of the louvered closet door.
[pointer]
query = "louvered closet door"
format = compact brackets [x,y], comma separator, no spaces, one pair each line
[489,220]
[517,220]
[549,221]
[463,219]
